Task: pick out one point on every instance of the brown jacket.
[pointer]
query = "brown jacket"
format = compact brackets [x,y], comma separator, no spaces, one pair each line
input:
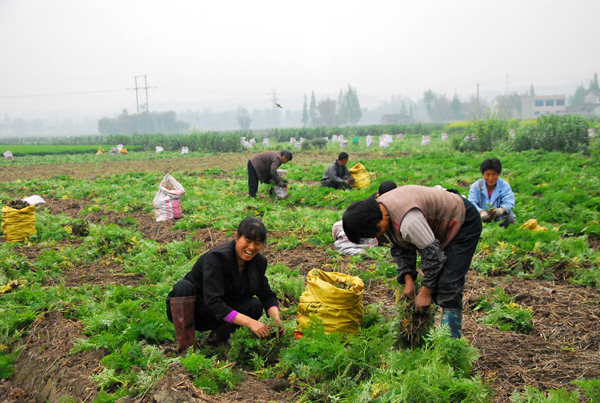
[444,211]
[266,162]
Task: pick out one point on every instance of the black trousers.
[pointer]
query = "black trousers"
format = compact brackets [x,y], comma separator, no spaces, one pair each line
[459,254]
[328,183]
[251,307]
[252,180]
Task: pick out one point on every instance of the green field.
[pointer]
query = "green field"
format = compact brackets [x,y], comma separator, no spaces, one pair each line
[112,282]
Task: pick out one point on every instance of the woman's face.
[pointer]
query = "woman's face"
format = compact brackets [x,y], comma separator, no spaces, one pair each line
[491,177]
[245,248]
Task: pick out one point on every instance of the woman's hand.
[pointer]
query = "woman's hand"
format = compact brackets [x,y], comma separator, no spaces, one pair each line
[280,326]
[410,289]
[259,329]
[273,312]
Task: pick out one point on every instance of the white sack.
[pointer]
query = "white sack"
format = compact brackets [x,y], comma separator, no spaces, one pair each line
[344,245]
[167,201]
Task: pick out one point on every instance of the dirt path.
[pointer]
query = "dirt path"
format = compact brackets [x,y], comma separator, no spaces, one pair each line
[94,170]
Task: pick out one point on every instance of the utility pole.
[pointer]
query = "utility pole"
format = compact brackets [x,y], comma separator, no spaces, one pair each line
[145,87]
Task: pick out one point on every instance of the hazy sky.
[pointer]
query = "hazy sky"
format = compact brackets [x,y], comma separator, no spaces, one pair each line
[223,54]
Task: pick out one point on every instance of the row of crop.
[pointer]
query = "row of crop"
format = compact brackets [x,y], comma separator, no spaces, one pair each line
[551,133]
[20,150]
[569,133]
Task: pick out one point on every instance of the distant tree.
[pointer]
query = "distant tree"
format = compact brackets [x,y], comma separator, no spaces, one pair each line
[349,111]
[326,108]
[313,114]
[456,108]
[410,112]
[594,83]
[403,108]
[352,106]
[531,91]
[509,104]
[438,106]
[342,112]
[243,118]
[305,112]
[154,122]
[578,98]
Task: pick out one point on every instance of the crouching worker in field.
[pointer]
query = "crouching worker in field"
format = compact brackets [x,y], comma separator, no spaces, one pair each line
[227,288]
[441,226]
[493,197]
[337,175]
[263,167]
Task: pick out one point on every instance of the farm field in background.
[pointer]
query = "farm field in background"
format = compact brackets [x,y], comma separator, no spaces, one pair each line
[82,316]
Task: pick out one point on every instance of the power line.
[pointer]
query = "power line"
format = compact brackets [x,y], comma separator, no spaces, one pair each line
[60,94]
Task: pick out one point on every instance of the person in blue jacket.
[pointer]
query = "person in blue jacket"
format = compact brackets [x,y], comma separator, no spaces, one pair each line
[492,196]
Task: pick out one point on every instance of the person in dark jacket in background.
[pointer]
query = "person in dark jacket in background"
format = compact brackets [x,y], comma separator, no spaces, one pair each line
[440,225]
[263,167]
[218,294]
[337,175]
[384,187]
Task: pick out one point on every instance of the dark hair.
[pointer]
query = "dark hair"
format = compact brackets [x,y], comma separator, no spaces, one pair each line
[343,156]
[287,154]
[361,220]
[252,229]
[491,163]
[386,186]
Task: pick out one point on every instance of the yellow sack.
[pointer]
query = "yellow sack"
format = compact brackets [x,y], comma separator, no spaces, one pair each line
[18,225]
[123,150]
[533,225]
[362,178]
[340,309]
[100,150]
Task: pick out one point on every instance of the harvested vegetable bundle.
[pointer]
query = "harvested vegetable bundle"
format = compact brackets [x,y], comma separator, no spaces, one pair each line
[413,326]
[17,204]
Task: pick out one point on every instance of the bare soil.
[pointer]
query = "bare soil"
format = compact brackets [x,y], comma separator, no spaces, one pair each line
[563,346]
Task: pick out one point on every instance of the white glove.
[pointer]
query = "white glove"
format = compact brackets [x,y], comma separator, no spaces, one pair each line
[498,212]
[485,217]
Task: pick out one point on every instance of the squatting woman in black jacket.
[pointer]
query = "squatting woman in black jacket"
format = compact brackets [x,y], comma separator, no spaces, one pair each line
[226,288]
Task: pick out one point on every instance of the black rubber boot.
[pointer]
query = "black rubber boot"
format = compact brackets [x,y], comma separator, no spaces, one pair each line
[182,309]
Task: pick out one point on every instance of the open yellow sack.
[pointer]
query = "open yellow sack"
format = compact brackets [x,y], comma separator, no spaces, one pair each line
[18,225]
[533,225]
[361,176]
[100,150]
[340,309]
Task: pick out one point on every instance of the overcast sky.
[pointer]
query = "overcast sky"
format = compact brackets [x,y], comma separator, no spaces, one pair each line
[223,54]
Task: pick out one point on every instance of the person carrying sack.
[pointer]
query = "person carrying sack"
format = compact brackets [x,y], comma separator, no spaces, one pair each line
[226,288]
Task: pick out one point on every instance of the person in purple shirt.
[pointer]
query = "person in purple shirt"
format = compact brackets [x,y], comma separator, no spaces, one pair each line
[226,288]
[492,196]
